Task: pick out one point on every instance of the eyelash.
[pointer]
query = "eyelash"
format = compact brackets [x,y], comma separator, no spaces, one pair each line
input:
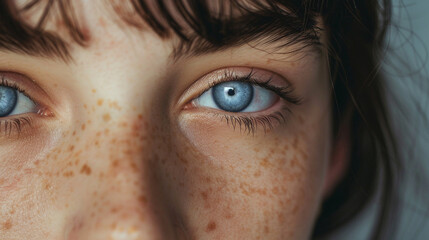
[251,123]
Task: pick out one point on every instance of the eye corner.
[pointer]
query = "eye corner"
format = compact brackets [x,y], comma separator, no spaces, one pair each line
[189,105]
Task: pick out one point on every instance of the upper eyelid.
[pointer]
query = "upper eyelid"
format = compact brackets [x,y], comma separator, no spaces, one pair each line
[29,88]
[203,83]
[285,92]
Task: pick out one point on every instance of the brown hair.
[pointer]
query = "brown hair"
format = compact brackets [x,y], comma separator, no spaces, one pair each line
[355,30]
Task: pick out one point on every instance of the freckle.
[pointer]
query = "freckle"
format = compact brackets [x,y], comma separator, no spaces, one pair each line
[265,163]
[303,154]
[140,117]
[2,181]
[257,173]
[134,167]
[7,225]
[295,143]
[115,163]
[142,200]
[211,226]
[94,90]
[106,117]
[71,148]
[113,226]
[183,160]
[68,174]
[113,210]
[295,209]
[100,102]
[85,170]
[266,229]
[83,126]
[204,195]
[115,105]
[85,106]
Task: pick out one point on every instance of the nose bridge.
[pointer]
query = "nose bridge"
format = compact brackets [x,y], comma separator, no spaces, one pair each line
[125,201]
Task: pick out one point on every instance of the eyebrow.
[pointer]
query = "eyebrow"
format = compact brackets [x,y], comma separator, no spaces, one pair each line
[42,44]
[18,38]
[251,27]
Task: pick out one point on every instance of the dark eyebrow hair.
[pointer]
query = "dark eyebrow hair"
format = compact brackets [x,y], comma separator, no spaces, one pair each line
[200,29]
[16,36]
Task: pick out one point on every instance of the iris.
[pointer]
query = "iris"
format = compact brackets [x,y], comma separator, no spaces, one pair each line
[8,100]
[233,96]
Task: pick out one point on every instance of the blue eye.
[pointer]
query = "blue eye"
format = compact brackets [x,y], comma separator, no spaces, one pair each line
[236,96]
[8,101]
[14,102]
[232,96]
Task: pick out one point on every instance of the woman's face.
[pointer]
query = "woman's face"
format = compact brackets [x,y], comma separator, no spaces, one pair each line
[125,141]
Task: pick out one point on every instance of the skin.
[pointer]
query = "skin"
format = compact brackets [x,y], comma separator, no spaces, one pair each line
[119,153]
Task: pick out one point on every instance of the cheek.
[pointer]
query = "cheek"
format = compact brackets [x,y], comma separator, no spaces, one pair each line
[269,184]
[21,176]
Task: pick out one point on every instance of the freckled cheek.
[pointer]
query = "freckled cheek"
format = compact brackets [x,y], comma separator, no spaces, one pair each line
[26,189]
[20,157]
[261,177]
[213,137]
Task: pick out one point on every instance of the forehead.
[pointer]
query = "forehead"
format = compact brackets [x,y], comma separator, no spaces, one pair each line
[200,26]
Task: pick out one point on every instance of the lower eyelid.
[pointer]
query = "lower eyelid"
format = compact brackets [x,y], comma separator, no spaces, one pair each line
[243,122]
[21,125]
[13,127]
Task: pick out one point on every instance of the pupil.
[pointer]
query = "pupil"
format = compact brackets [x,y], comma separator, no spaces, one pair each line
[231,92]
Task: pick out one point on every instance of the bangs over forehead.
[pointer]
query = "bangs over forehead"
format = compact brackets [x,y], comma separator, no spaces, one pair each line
[200,25]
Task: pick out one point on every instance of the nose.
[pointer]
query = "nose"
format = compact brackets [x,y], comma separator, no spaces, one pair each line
[120,195]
